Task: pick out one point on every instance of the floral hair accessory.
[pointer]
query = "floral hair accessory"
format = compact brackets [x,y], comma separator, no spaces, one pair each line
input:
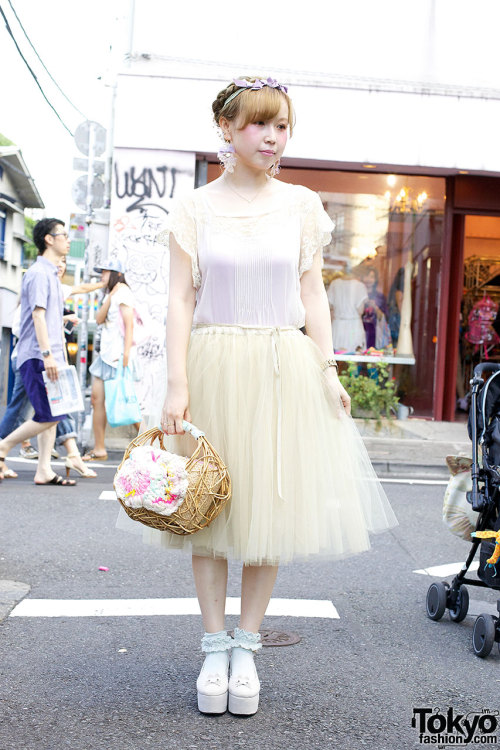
[255,86]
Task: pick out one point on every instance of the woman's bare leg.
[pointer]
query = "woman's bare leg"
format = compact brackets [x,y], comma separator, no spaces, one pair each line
[257,583]
[99,420]
[210,578]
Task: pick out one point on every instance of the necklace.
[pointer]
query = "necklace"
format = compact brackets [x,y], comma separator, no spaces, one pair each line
[243,197]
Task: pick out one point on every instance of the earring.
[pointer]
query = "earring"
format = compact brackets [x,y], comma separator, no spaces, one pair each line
[227,157]
[275,169]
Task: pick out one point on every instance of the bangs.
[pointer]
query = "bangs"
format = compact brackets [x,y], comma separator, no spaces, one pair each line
[263,104]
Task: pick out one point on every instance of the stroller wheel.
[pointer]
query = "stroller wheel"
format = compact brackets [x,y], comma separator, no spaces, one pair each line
[436,600]
[459,612]
[483,635]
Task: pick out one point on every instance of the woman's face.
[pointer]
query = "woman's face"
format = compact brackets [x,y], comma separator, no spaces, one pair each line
[105,276]
[61,268]
[260,144]
[371,279]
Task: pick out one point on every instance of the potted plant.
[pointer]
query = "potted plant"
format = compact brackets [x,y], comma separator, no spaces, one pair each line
[373,394]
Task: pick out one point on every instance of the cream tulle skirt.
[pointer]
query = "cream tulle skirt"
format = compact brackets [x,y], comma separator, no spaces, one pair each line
[302,482]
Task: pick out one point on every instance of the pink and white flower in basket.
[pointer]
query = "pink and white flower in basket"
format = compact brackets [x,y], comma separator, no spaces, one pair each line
[153,479]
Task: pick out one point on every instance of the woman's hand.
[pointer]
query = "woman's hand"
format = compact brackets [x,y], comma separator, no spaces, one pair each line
[125,360]
[175,410]
[338,389]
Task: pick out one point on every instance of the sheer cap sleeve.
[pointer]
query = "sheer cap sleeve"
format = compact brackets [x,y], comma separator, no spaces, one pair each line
[181,223]
[316,231]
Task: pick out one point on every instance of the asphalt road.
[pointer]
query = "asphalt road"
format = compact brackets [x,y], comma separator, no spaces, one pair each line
[106,683]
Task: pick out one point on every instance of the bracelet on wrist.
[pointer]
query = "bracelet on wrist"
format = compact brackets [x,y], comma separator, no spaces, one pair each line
[329,363]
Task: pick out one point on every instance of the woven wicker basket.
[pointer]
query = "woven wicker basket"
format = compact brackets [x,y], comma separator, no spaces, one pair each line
[208,491]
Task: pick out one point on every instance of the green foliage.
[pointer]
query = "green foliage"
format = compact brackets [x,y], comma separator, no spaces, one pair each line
[30,249]
[5,141]
[372,394]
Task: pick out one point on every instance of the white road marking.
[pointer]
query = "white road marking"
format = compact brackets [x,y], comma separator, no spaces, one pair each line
[149,607]
[107,495]
[59,462]
[478,607]
[449,569]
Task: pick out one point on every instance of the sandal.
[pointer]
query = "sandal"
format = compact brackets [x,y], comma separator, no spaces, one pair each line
[86,472]
[59,481]
[91,456]
[9,473]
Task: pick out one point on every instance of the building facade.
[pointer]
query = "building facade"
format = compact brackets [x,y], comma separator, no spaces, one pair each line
[17,192]
[406,171]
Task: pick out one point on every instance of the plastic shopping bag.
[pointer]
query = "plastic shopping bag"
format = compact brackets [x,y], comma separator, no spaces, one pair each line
[122,406]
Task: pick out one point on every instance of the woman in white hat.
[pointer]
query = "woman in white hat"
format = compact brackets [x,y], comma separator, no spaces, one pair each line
[116,318]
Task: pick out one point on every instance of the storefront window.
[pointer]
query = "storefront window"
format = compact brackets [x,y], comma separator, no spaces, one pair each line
[479,330]
[388,228]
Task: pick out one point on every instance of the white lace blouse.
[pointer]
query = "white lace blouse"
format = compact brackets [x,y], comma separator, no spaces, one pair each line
[246,267]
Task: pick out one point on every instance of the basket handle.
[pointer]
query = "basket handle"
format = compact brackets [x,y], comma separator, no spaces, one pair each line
[194,431]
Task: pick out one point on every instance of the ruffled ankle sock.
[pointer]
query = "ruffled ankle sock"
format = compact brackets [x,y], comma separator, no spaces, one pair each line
[247,640]
[245,645]
[217,647]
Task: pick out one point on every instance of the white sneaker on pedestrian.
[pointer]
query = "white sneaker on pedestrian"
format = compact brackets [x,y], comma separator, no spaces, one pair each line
[28,452]
[54,453]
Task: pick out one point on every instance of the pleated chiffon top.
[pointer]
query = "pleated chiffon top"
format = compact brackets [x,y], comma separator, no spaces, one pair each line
[246,266]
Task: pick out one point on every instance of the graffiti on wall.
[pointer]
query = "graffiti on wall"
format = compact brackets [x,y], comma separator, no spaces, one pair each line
[144,184]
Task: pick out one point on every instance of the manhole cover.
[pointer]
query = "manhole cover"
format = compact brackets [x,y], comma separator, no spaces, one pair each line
[276,638]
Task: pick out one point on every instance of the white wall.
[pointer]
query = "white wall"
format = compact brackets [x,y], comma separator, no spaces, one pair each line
[450,41]
[336,125]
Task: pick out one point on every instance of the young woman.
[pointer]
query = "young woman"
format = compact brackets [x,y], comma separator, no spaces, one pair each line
[245,276]
[116,316]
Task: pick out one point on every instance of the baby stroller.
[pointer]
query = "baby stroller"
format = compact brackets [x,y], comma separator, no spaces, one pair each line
[484,431]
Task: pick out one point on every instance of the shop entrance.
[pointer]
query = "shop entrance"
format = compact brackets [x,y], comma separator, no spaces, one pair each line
[478,340]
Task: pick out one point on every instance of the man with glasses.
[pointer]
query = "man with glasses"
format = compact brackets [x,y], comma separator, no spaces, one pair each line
[41,347]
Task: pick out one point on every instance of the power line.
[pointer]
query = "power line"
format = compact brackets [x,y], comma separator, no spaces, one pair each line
[9,30]
[43,64]
[305,78]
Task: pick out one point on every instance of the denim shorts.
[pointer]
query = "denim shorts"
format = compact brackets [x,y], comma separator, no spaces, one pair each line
[102,370]
[31,373]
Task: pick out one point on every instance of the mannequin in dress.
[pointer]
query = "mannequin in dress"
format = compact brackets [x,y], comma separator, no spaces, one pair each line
[347,296]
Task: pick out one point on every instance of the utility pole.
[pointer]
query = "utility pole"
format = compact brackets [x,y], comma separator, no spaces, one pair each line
[88,194]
